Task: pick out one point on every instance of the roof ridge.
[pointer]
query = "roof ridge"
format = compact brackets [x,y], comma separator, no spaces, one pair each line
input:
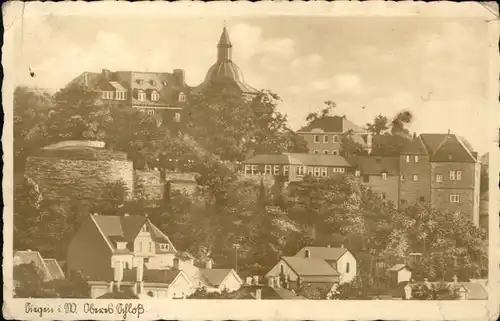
[440,145]
[466,148]
[423,144]
[101,232]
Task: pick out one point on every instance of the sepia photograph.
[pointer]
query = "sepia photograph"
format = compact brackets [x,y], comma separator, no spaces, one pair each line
[258,156]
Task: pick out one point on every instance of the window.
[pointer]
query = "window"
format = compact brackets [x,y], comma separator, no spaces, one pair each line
[150,246]
[248,169]
[285,170]
[402,177]
[121,95]
[357,173]
[141,95]
[152,82]
[452,175]
[308,254]
[439,178]
[254,169]
[325,152]
[107,95]
[267,169]
[341,170]
[316,138]
[140,246]
[177,117]
[310,170]
[403,201]
[324,171]
[366,178]
[422,198]
[335,139]
[151,112]
[454,198]
[316,151]
[347,267]
[301,170]
[317,171]
[325,139]
[407,158]
[384,196]
[335,152]
[282,269]
[155,96]
[459,175]
[415,178]
[416,158]
[182,97]
[276,169]
[384,176]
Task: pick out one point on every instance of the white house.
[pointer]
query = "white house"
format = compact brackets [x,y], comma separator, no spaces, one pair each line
[338,257]
[399,273]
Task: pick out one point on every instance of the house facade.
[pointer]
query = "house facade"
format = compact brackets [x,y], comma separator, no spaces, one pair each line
[324,135]
[159,94]
[294,166]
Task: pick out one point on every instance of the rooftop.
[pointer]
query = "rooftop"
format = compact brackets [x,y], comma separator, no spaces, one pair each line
[310,266]
[331,124]
[322,252]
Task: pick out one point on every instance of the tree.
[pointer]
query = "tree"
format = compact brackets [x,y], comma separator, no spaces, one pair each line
[28,282]
[31,109]
[379,126]
[329,106]
[27,203]
[78,114]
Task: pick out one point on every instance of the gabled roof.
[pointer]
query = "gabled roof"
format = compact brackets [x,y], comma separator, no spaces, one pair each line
[475,291]
[332,124]
[447,148]
[28,256]
[322,252]
[375,165]
[161,276]
[125,229]
[268,293]
[54,268]
[415,147]
[214,277]
[310,266]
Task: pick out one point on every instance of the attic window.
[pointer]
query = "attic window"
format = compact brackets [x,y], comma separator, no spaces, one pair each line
[141,95]
[155,96]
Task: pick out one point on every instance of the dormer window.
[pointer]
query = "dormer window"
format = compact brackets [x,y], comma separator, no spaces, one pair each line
[121,245]
[357,173]
[182,97]
[384,176]
[141,95]
[152,82]
[155,96]
[164,246]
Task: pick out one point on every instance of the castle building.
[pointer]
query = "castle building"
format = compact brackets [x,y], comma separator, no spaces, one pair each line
[156,93]
[324,135]
[225,72]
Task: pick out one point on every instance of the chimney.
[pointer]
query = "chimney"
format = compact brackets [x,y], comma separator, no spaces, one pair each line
[179,76]
[258,294]
[208,264]
[106,74]
[177,263]
[118,273]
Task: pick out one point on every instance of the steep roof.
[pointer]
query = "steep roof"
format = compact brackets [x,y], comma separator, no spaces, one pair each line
[310,266]
[160,276]
[375,165]
[214,277]
[125,228]
[415,147]
[224,38]
[54,268]
[332,124]
[449,149]
[28,256]
[322,252]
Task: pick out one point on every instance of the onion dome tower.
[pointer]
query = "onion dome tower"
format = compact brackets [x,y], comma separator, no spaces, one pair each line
[225,70]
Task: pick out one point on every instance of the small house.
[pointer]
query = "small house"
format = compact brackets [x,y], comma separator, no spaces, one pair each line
[399,273]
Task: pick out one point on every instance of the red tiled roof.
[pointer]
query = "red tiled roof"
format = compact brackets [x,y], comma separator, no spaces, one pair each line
[332,124]
[375,165]
[322,252]
[310,266]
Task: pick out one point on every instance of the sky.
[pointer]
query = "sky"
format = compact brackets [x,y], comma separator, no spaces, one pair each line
[436,68]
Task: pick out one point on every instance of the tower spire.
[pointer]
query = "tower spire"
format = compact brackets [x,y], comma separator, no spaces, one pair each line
[224,47]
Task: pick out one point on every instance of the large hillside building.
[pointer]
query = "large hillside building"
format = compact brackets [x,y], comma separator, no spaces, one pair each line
[225,72]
